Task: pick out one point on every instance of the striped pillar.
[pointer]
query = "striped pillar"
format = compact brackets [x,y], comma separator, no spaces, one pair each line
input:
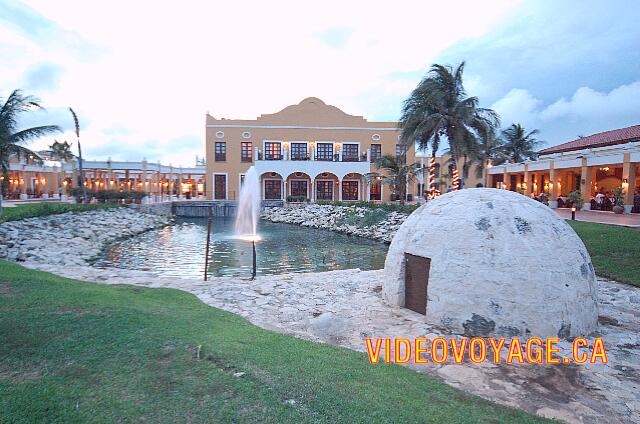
[456,179]
[432,177]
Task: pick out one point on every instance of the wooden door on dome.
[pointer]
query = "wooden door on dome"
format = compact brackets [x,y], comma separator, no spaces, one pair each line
[416,281]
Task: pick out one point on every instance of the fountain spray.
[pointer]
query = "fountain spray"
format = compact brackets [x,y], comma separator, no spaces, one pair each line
[249,212]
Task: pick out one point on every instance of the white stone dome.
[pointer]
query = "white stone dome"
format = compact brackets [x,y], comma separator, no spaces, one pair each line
[501,264]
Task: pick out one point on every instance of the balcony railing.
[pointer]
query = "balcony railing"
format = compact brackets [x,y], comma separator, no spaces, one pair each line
[308,157]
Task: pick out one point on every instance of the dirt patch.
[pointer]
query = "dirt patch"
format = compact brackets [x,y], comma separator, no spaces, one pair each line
[24,373]
[6,289]
[74,311]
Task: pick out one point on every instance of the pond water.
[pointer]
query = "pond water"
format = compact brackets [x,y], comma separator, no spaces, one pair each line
[178,250]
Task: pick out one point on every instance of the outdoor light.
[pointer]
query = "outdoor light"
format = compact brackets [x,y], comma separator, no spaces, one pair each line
[573,213]
[625,180]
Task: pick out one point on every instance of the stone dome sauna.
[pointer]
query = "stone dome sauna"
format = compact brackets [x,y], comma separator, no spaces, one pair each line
[489,262]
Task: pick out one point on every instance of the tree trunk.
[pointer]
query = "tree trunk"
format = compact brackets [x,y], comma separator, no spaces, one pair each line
[81,175]
[432,175]
[456,176]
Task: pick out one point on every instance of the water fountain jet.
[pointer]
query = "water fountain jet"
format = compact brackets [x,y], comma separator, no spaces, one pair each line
[249,212]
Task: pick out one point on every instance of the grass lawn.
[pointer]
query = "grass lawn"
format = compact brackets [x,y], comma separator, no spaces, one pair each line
[614,250]
[80,352]
[30,210]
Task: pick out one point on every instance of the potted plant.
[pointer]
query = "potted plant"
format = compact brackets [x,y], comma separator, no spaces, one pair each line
[575,197]
[618,193]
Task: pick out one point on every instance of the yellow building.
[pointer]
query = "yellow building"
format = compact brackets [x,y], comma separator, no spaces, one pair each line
[310,150]
[594,165]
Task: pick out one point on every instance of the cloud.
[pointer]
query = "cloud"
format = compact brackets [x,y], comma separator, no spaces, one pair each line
[335,37]
[41,30]
[551,48]
[146,95]
[587,111]
[43,77]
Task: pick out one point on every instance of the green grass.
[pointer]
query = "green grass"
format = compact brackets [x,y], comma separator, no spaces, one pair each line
[31,210]
[614,250]
[76,352]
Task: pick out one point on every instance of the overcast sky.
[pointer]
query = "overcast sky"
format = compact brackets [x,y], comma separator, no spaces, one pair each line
[142,78]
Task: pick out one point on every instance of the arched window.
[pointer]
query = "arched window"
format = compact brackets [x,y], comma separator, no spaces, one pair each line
[465,171]
[437,170]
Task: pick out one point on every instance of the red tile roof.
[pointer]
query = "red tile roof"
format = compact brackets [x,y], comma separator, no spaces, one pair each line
[607,138]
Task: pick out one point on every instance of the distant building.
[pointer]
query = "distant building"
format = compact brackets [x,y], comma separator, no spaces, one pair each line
[594,164]
[52,179]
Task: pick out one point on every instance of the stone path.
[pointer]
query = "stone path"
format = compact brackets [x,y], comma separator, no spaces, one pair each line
[345,307]
[603,217]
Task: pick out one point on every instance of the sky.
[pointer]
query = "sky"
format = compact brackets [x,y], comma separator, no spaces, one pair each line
[142,79]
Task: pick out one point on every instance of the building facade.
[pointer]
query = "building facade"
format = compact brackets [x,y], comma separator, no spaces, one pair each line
[594,165]
[53,179]
[306,151]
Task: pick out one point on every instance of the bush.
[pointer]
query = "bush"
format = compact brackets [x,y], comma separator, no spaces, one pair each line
[389,207]
[110,196]
[576,199]
[367,219]
[33,210]
[618,193]
[297,199]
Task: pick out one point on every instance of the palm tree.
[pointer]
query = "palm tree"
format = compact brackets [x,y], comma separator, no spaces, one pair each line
[519,145]
[439,107]
[62,151]
[489,152]
[397,174]
[81,175]
[12,140]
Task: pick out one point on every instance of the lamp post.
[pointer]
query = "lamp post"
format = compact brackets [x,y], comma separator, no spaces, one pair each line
[573,213]
[253,271]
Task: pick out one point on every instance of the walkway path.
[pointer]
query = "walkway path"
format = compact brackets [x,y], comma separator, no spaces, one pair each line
[626,220]
[345,307]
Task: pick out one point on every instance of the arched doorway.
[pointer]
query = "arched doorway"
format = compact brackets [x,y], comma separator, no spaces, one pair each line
[272,186]
[298,187]
[326,187]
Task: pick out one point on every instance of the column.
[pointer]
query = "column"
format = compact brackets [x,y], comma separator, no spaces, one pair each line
[180,186]
[126,180]
[585,184]
[110,173]
[159,182]
[527,183]
[283,189]
[628,182]
[339,190]
[312,196]
[506,183]
[171,183]
[368,188]
[553,187]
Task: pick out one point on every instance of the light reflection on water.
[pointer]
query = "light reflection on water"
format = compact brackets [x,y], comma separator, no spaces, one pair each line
[178,250]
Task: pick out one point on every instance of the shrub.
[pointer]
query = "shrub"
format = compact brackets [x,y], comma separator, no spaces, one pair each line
[297,199]
[110,196]
[389,207]
[618,193]
[576,199]
[33,210]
